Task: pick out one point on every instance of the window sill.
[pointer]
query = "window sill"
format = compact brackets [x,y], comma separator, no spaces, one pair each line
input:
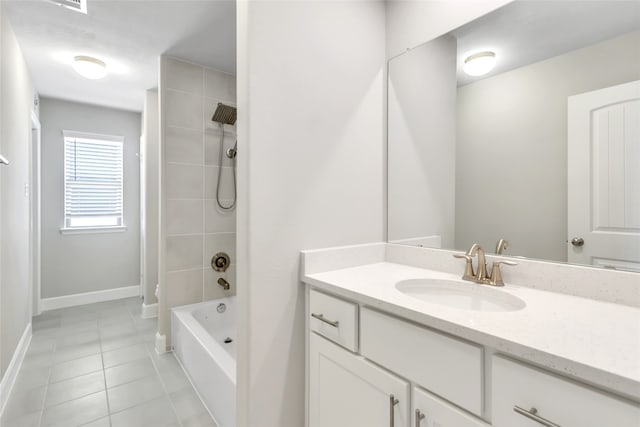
[93,230]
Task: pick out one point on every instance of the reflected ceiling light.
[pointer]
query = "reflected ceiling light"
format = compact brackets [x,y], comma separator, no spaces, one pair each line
[480,63]
[90,68]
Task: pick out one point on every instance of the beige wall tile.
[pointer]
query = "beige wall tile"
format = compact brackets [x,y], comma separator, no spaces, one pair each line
[184,181]
[184,145]
[211,180]
[184,76]
[183,110]
[184,252]
[220,86]
[184,287]
[185,216]
[217,220]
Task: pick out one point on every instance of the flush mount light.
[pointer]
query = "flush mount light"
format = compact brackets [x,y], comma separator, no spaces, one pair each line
[89,67]
[480,63]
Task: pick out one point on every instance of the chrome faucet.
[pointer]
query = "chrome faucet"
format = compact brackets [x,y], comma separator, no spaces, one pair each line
[481,276]
[225,285]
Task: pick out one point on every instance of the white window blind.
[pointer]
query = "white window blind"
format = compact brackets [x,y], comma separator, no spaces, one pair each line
[92,180]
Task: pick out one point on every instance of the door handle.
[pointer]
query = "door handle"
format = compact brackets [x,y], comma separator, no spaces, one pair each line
[577,241]
[321,318]
[532,414]
[419,417]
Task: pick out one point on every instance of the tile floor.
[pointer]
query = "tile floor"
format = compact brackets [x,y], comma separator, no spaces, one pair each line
[96,366]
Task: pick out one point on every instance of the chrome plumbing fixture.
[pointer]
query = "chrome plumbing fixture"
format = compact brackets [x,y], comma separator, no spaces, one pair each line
[481,276]
[226,115]
[220,261]
[501,246]
[225,285]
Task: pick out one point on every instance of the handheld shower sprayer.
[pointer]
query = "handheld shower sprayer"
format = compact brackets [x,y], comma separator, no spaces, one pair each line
[226,115]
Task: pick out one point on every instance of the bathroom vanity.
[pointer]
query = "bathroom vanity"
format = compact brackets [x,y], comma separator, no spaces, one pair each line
[395,338]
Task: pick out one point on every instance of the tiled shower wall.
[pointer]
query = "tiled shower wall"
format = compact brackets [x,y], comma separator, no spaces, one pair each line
[193,227]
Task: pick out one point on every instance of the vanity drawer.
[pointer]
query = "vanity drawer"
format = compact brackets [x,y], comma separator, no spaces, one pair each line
[334,319]
[446,366]
[560,401]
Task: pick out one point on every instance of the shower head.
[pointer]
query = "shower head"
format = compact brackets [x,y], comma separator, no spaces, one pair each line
[225,114]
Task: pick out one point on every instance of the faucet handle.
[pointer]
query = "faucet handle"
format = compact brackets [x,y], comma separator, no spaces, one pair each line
[501,246]
[468,268]
[496,274]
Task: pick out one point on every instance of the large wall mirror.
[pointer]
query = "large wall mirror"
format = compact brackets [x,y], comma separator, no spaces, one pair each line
[543,150]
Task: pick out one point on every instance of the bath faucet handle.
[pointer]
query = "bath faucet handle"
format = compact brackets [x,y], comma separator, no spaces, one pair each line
[468,267]
[496,275]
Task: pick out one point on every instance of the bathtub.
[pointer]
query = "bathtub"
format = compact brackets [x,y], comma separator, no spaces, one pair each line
[198,333]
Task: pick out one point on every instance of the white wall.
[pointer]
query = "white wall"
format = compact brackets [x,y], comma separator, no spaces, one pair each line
[193,228]
[311,91]
[149,192]
[16,102]
[422,131]
[79,263]
[413,22]
[512,147]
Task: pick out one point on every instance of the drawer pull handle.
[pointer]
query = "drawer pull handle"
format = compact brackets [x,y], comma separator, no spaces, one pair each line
[533,415]
[321,318]
[419,417]
[392,410]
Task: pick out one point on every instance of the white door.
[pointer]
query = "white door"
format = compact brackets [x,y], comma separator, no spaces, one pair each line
[347,391]
[604,177]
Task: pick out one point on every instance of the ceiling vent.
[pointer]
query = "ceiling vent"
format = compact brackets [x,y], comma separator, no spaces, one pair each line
[77,5]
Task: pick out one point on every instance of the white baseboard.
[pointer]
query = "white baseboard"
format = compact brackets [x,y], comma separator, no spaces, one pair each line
[161,343]
[88,297]
[149,311]
[9,378]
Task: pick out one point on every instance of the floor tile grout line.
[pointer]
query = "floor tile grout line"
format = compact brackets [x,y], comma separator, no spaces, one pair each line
[104,379]
[164,386]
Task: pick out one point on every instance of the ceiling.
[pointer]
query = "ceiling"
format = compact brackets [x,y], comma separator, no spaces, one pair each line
[128,36]
[524,32]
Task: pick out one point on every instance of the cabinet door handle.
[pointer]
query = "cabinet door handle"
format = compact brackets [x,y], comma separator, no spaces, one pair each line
[532,414]
[419,417]
[320,317]
[392,410]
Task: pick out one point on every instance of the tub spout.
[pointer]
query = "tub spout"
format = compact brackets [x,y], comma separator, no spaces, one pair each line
[225,285]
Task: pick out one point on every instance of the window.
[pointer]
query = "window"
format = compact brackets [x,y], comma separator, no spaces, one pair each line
[92,181]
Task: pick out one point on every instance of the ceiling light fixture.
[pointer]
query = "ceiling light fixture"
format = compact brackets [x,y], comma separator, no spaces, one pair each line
[90,68]
[480,63]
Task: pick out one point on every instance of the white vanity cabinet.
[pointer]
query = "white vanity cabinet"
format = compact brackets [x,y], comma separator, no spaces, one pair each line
[369,368]
[376,387]
[437,362]
[524,396]
[345,390]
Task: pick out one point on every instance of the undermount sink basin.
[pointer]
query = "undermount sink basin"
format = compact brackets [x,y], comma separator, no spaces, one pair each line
[461,295]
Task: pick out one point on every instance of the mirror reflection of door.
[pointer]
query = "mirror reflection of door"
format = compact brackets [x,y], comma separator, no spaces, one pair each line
[604,150]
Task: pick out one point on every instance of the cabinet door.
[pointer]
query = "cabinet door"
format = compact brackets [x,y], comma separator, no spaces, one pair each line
[347,391]
[431,411]
[527,397]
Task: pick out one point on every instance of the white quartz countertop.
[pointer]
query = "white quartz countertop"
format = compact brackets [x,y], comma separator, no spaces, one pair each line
[593,341]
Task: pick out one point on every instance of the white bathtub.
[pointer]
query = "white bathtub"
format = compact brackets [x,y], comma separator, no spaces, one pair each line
[198,334]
